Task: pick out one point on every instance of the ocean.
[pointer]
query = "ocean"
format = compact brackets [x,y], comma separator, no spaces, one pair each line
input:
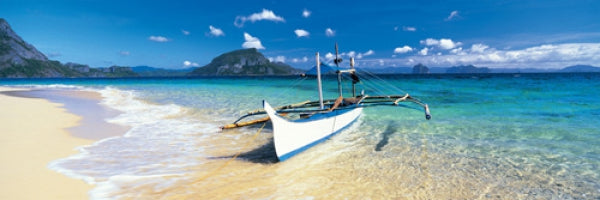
[492,136]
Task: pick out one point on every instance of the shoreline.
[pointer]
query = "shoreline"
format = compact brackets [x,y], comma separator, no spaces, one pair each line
[41,126]
[85,104]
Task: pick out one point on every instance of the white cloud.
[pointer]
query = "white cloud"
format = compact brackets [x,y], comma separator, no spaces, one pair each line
[251,42]
[279,59]
[381,62]
[264,15]
[409,28]
[442,43]
[453,15]
[479,48]
[329,32]
[351,54]
[190,64]
[424,51]
[158,39]
[448,44]
[301,33]
[404,49]
[542,56]
[305,13]
[329,56]
[298,60]
[215,31]
[458,50]
[124,53]
[430,42]
[184,32]
[368,53]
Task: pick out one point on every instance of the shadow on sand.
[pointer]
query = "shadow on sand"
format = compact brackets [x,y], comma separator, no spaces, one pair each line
[386,137]
[264,154]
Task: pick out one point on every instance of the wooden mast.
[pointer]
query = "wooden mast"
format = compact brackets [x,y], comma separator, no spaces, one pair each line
[337,62]
[321,105]
[353,82]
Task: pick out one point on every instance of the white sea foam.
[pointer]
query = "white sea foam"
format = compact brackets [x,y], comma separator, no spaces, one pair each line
[115,184]
[163,141]
[53,86]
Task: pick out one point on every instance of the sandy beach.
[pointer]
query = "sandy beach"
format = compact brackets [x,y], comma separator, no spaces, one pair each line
[33,132]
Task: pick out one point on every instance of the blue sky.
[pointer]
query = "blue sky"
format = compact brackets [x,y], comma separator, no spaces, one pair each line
[177,34]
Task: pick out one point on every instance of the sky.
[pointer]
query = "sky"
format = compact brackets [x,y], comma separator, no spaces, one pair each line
[176,34]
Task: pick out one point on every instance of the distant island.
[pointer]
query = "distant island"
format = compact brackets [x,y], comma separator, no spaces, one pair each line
[467,69]
[471,69]
[243,62]
[580,68]
[19,59]
[147,71]
[420,69]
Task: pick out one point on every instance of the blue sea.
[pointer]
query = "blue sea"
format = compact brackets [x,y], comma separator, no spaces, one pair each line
[492,136]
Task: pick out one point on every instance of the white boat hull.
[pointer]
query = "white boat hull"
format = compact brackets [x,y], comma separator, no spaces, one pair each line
[293,137]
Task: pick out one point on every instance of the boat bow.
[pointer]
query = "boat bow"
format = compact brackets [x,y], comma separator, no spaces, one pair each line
[292,137]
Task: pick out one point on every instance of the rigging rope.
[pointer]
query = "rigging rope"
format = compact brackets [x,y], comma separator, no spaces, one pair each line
[380,83]
[287,89]
[373,85]
[383,81]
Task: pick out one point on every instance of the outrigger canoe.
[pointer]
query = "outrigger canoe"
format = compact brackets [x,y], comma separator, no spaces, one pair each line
[315,121]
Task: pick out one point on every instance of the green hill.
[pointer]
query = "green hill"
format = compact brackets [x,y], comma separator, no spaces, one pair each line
[243,62]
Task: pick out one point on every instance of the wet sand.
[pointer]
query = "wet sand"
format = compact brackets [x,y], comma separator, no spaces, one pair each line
[369,162]
[33,133]
[38,127]
[84,104]
[350,167]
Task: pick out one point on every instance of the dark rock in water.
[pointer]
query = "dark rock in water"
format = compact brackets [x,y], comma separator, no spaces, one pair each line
[420,69]
[243,62]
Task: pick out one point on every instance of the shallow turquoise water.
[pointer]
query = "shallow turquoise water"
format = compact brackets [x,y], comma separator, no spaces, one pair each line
[536,135]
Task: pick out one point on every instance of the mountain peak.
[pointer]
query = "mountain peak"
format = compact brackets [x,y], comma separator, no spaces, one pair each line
[14,50]
[243,62]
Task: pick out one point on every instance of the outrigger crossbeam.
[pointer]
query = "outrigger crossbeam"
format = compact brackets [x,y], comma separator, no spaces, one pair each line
[313,107]
[308,108]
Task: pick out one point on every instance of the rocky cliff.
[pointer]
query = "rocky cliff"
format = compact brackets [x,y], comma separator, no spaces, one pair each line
[18,59]
[13,50]
[243,62]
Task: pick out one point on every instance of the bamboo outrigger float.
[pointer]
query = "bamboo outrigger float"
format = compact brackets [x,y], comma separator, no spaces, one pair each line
[296,127]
